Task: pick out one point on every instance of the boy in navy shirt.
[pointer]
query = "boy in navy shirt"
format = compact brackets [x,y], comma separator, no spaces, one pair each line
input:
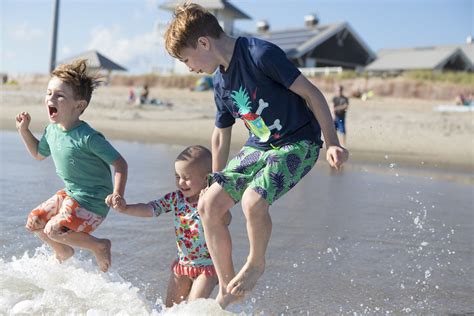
[284,113]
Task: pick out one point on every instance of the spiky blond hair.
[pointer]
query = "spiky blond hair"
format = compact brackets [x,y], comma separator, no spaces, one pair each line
[77,77]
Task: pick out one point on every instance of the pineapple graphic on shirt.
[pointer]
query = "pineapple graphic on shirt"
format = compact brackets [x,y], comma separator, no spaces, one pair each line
[253,121]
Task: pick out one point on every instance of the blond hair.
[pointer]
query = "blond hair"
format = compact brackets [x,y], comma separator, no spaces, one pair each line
[76,76]
[190,21]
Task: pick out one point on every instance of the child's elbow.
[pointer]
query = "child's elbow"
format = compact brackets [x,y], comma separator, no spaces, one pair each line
[124,164]
[120,163]
[38,157]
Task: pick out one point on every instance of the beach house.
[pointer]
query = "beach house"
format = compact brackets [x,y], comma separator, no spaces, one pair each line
[312,47]
[434,58]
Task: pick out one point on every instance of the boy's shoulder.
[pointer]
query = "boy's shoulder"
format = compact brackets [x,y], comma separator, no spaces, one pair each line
[257,46]
[83,130]
[253,50]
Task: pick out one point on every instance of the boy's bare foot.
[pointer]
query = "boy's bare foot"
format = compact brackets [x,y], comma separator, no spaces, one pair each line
[246,279]
[225,299]
[64,253]
[102,255]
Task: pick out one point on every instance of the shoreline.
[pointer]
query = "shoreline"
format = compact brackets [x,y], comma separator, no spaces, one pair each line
[377,160]
[380,131]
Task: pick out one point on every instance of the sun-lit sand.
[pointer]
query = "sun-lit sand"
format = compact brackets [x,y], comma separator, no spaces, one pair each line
[406,131]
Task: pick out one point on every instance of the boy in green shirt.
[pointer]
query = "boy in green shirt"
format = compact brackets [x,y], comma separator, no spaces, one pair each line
[82,157]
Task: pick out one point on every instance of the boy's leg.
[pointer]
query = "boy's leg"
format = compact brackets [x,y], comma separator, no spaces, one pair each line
[259,229]
[202,287]
[38,218]
[100,247]
[283,169]
[72,225]
[178,289]
[62,251]
[213,207]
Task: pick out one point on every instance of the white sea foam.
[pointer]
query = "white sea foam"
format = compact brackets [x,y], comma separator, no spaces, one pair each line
[38,284]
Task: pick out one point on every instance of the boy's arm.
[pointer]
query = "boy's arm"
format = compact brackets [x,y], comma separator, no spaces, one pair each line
[220,147]
[22,124]
[316,101]
[120,178]
[115,199]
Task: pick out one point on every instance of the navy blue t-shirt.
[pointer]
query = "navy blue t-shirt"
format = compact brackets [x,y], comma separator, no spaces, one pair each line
[255,88]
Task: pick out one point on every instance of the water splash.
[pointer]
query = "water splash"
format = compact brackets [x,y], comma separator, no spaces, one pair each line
[39,285]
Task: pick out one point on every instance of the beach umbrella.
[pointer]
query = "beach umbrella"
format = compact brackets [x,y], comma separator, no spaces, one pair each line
[96,61]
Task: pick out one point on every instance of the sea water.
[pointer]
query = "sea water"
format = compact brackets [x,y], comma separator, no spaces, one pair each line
[370,239]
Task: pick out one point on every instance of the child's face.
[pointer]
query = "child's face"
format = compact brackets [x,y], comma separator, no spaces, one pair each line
[199,59]
[190,179]
[60,103]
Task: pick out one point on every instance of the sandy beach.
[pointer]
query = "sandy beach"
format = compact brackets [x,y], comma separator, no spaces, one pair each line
[403,131]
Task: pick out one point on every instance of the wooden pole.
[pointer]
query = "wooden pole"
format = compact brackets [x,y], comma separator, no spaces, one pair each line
[52,61]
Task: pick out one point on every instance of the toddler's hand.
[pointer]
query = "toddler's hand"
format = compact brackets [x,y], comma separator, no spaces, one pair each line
[119,203]
[203,191]
[23,120]
[201,194]
[336,156]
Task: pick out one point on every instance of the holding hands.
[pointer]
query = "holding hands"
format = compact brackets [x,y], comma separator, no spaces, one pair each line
[116,201]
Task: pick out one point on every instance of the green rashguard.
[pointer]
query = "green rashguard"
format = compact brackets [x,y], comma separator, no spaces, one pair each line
[82,157]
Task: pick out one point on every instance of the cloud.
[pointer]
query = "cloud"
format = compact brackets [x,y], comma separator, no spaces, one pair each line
[25,32]
[140,52]
[65,51]
[152,4]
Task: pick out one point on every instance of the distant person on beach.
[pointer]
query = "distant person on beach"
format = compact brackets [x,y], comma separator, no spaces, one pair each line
[131,95]
[462,100]
[283,111]
[144,94]
[82,157]
[340,104]
[192,273]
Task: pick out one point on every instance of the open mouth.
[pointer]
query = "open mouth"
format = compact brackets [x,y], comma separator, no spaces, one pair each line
[52,111]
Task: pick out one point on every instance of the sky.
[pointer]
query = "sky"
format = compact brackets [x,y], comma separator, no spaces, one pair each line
[128,31]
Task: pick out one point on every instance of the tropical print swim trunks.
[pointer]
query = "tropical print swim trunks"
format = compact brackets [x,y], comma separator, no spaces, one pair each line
[271,173]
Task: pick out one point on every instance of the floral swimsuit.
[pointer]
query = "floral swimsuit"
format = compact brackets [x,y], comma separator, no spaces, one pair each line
[193,255]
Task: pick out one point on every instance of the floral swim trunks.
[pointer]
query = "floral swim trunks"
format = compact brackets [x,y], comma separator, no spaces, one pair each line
[64,213]
[271,173]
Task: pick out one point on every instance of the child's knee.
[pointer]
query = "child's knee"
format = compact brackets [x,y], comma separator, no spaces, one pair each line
[53,230]
[210,209]
[251,200]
